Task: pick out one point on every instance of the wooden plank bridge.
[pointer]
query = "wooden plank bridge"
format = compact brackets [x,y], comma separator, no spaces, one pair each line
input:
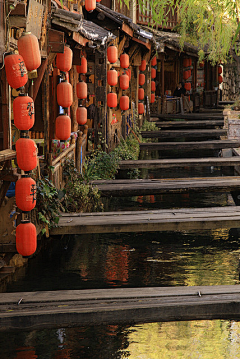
[192,133]
[189,116]
[189,124]
[186,146]
[137,187]
[68,308]
[149,221]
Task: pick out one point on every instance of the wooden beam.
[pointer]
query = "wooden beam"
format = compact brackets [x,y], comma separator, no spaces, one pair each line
[7,155]
[185,146]
[79,39]
[41,70]
[198,133]
[5,111]
[189,116]
[189,124]
[127,29]
[64,308]
[146,44]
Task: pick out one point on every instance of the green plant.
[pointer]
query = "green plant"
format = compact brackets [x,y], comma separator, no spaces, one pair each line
[149,126]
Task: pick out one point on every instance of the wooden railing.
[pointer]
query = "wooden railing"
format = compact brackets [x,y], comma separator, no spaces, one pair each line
[144,17]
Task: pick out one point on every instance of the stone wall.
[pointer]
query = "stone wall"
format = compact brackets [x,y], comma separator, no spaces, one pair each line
[231,82]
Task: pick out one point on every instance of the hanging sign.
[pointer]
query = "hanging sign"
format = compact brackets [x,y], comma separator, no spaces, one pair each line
[34,18]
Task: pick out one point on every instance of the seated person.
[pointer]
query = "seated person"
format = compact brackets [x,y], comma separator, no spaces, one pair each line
[180,90]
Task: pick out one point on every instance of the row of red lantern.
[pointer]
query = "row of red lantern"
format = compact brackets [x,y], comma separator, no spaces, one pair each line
[186,74]
[187,62]
[153,76]
[141,82]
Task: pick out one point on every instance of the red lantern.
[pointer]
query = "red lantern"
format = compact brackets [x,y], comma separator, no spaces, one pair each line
[81,90]
[81,115]
[128,72]
[220,79]
[63,127]
[140,93]
[201,64]
[140,108]
[153,86]
[188,86]
[219,70]
[154,61]
[112,99]
[26,150]
[143,65]
[90,5]
[152,98]
[189,62]
[64,61]
[112,54]
[64,94]
[124,103]
[153,73]
[16,71]
[23,112]
[112,77]
[124,82]
[25,191]
[82,69]
[186,63]
[141,79]
[124,61]
[28,48]
[186,74]
[26,238]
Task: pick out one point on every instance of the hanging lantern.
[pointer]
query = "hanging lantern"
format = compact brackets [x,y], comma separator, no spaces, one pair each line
[124,61]
[16,71]
[112,54]
[153,73]
[82,69]
[28,48]
[140,93]
[64,61]
[112,77]
[152,98]
[201,64]
[26,238]
[128,72]
[25,191]
[140,108]
[141,79]
[154,61]
[64,94]
[90,5]
[124,82]
[112,99]
[23,112]
[189,62]
[81,115]
[153,86]
[143,65]
[188,86]
[186,63]
[124,103]
[219,70]
[186,74]
[220,79]
[98,0]
[81,90]
[26,150]
[63,127]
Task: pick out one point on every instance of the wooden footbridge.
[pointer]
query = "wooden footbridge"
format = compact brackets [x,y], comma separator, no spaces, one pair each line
[41,310]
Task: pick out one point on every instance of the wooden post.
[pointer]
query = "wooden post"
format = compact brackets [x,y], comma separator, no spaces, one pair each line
[78,151]
[45,107]
[5,111]
[50,160]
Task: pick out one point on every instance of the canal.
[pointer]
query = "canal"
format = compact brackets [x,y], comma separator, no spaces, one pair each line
[135,260]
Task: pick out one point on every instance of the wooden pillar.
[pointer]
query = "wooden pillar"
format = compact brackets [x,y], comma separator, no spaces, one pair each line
[73,109]
[45,109]
[162,80]
[5,115]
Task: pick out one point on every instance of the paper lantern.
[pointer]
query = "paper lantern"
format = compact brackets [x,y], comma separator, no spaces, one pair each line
[63,127]
[28,48]
[90,5]
[153,73]
[141,79]
[81,115]
[186,63]
[25,192]
[189,62]
[26,150]
[64,94]
[154,61]
[186,74]
[124,103]
[82,69]
[153,86]
[140,93]
[140,108]
[201,64]
[26,238]
[124,82]
[219,70]
[188,86]
[112,99]
[81,90]
[112,77]
[152,100]
[64,61]
[112,54]
[16,71]
[23,112]
[124,61]
[143,65]
[220,79]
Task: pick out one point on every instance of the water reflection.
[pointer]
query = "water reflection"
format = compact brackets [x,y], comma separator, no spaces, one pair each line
[197,339]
